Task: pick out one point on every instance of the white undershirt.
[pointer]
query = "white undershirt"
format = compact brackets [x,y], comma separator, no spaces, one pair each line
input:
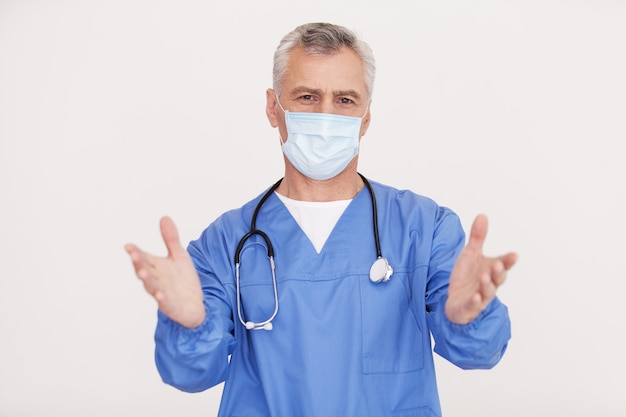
[316,219]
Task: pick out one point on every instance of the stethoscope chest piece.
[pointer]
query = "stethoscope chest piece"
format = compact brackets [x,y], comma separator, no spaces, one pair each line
[380,270]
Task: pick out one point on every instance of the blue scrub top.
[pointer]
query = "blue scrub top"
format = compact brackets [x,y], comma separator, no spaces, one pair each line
[341,345]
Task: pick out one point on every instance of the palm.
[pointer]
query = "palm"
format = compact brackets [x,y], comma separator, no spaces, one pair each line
[171,280]
[475,277]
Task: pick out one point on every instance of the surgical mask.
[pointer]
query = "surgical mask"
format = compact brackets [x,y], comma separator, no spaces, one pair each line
[320,145]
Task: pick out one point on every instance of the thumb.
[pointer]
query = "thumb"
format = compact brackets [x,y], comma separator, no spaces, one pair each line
[170,236]
[478,232]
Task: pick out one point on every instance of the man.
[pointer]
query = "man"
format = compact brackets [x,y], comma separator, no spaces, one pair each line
[364,273]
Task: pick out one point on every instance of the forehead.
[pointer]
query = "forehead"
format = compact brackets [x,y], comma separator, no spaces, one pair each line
[343,70]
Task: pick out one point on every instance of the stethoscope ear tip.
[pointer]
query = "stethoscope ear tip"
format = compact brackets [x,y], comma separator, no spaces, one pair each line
[250,325]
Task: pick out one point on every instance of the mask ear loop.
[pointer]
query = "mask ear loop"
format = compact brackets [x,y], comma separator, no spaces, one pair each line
[282,142]
[367,108]
[280,105]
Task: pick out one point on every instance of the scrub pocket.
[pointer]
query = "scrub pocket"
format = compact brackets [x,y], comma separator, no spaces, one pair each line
[392,338]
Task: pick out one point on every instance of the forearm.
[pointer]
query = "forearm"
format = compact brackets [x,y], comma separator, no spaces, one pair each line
[479,344]
[194,360]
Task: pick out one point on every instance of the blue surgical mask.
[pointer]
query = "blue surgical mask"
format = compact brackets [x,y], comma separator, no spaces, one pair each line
[320,145]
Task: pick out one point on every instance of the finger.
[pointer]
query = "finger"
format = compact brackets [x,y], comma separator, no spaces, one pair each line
[170,237]
[498,273]
[476,301]
[487,288]
[144,269]
[136,256]
[132,250]
[478,233]
[142,262]
[509,260]
[150,279]
[159,296]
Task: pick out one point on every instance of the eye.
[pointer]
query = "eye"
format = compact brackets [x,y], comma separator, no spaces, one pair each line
[346,100]
[306,97]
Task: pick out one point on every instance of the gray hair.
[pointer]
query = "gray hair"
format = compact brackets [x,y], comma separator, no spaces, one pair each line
[323,38]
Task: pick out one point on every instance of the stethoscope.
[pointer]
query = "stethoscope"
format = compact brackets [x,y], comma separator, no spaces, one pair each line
[379,272]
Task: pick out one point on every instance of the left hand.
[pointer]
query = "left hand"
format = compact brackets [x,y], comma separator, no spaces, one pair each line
[475,277]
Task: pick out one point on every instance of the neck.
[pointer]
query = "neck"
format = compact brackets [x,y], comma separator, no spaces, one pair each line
[344,186]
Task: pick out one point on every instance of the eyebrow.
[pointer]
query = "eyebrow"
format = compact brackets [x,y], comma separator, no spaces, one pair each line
[319,92]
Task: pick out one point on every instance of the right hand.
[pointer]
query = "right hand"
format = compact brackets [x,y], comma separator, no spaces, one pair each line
[171,280]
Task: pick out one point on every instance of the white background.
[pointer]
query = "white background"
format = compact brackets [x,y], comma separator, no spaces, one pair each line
[114,113]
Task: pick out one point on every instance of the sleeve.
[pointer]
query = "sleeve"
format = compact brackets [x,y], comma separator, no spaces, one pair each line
[479,344]
[194,360]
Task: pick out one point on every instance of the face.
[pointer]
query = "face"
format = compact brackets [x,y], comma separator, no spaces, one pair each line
[321,83]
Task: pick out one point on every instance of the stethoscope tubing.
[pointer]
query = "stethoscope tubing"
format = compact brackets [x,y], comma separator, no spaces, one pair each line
[374,215]
[380,271]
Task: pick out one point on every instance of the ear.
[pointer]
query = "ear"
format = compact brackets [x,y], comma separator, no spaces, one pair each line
[270,107]
[365,124]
